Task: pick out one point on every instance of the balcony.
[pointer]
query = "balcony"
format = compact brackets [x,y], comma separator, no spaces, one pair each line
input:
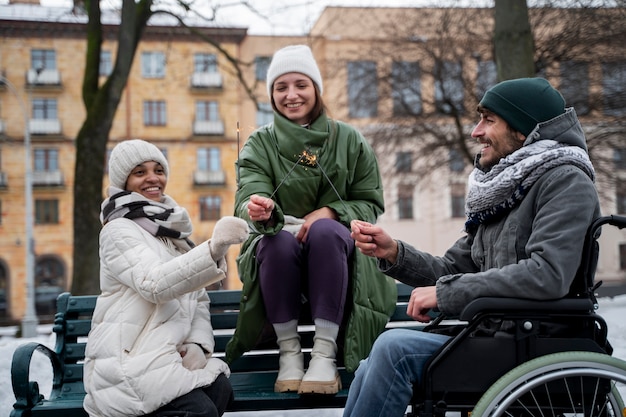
[208,127]
[206,80]
[209,178]
[44,77]
[44,126]
[47,178]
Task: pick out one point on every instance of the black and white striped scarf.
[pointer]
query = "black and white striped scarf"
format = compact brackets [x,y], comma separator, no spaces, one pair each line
[494,193]
[165,218]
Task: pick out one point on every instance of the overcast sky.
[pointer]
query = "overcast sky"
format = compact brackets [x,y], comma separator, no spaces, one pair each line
[295,17]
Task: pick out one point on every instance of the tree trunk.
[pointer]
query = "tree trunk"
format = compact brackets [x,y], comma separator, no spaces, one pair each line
[513,40]
[91,143]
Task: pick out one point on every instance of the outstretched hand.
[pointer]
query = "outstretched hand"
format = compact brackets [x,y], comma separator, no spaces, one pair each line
[373,241]
[229,230]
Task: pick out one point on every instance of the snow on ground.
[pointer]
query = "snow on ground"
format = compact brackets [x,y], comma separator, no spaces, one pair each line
[612,309]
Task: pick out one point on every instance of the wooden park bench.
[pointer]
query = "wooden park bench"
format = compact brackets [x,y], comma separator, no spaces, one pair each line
[253,375]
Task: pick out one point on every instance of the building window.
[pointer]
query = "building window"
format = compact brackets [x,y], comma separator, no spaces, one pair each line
[486,78]
[204,62]
[449,87]
[46,160]
[622,256]
[404,161]
[613,81]
[261,64]
[106,63]
[405,201]
[209,159]
[153,64]
[457,200]
[620,197]
[46,211]
[154,113]
[619,158]
[44,109]
[362,89]
[0,211]
[207,111]
[406,88]
[575,85]
[43,59]
[49,283]
[265,114]
[456,161]
[4,291]
[210,208]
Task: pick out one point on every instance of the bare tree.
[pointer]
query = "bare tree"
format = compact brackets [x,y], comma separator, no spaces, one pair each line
[433,65]
[513,40]
[101,103]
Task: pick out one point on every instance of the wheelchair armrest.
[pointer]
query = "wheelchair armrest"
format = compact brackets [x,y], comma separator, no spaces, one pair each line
[521,305]
[26,391]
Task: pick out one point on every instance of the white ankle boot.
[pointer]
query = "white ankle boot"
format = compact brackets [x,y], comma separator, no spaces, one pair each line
[291,361]
[322,376]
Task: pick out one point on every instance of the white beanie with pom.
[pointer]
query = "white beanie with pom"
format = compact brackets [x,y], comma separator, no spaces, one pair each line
[126,155]
[293,58]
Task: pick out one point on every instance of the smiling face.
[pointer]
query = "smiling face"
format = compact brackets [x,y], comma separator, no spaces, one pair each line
[496,137]
[148,179]
[294,97]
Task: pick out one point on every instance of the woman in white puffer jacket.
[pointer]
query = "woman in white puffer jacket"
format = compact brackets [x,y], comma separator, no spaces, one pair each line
[150,345]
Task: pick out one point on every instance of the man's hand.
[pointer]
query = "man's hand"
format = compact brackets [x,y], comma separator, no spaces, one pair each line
[422,300]
[374,241]
[260,208]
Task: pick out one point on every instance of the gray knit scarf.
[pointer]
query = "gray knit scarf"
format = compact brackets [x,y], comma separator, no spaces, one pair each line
[165,218]
[494,193]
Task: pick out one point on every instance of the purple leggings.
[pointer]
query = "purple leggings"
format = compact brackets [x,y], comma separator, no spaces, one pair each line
[318,269]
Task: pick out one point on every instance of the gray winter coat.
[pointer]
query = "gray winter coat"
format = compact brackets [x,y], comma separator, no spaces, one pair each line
[533,252]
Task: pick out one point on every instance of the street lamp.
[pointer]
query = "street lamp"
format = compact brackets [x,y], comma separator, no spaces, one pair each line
[29,321]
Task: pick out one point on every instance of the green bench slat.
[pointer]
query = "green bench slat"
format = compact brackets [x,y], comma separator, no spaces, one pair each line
[252,376]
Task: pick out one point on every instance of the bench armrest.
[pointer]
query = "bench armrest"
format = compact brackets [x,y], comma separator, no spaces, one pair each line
[519,305]
[26,391]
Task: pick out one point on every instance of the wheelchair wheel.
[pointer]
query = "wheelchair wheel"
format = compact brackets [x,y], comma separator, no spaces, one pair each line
[564,384]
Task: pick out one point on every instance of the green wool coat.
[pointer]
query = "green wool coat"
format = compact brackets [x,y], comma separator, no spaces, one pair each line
[267,165]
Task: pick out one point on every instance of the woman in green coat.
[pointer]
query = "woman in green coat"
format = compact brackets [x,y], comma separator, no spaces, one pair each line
[302,180]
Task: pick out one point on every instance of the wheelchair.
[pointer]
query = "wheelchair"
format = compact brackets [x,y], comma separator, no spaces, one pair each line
[553,358]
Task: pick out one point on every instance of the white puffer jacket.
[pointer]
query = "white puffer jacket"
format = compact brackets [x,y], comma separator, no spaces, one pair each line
[152,302]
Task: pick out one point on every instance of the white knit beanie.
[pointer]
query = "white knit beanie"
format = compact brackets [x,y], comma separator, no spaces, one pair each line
[294,58]
[127,155]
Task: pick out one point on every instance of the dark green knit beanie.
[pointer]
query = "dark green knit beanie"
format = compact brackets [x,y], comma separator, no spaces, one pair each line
[524,102]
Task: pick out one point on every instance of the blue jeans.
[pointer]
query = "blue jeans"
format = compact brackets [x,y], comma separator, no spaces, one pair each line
[383,382]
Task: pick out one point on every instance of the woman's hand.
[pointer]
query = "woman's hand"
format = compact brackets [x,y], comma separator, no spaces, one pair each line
[312,217]
[260,208]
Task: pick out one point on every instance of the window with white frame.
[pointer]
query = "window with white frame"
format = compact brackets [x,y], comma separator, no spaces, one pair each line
[45,159]
[405,201]
[43,59]
[154,113]
[207,111]
[209,159]
[152,64]
[203,62]
[44,108]
[106,63]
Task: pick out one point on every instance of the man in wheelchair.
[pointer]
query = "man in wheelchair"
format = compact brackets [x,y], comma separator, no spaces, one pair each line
[531,199]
